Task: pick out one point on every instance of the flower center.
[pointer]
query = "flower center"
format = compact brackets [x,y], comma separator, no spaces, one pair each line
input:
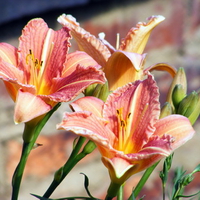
[35,66]
[123,124]
[38,68]
[127,124]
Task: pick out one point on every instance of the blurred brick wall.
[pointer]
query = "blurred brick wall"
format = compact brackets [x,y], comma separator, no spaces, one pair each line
[175,41]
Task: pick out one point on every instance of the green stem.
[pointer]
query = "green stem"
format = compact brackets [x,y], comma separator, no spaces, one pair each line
[120,193]
[71,162]
[112,191]
[26,149]
[16,181]
[163,188]
[143,180]
[108,198]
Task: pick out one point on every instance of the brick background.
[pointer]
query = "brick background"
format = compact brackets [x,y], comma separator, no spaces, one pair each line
[175,41]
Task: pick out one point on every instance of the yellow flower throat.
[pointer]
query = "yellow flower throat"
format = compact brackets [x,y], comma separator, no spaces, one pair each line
[123,126]
[38,66]
[35,67]
[126,130]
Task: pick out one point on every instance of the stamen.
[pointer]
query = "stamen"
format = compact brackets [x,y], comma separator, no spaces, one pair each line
[29,56]
[38,64]
[120,128]
[35,66]
[123,123]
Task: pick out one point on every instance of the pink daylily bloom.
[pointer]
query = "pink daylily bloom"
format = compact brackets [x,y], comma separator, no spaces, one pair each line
[127,129]
[122,64]
[39,73]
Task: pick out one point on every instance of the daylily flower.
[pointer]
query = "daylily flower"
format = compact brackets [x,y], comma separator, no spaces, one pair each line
[127,129]
[122,64]
[40,73]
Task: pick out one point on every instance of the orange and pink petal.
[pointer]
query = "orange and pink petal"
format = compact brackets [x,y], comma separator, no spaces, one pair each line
[137,37]
[78,58]
[119,169]
[86,41]
[9,72]
[8,53]
[124,67]
[67,88]
[55,49]
[179,127]
[95,105]
[32,38]
[139,101]
[47,46]
[88,125]
[28,107]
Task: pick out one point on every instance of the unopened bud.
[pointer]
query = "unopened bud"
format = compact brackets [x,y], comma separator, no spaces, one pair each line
[89,147]
[180,78]
[90,89]
[178,94]
[187,179]
[166,110]
[104,92]
[58,175]
[188,106]
[101,91]
[196,112]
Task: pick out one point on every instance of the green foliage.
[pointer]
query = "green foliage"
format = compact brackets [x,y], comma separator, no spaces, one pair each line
[181,180]
[86,184]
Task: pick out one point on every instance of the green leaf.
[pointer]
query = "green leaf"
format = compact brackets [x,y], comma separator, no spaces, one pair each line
[188,196]
[86,184]
[65,198]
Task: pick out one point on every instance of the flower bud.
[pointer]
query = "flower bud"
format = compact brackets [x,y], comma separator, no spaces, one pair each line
[58,175]
[101,91]
[89,147]
[178,94]
[166,110]
[196,112]
[187,179]
[90,89]
[180,78]
[190,106]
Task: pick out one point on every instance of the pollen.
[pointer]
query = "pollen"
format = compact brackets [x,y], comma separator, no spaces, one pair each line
[30,59]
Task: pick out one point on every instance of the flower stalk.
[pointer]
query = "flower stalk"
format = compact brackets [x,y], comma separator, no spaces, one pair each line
[74,158]
[27,147]
[113,190]
[142,181]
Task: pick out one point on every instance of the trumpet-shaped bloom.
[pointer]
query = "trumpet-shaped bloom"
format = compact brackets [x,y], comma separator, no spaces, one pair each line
[40,73]
[127,129]
[125,63]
